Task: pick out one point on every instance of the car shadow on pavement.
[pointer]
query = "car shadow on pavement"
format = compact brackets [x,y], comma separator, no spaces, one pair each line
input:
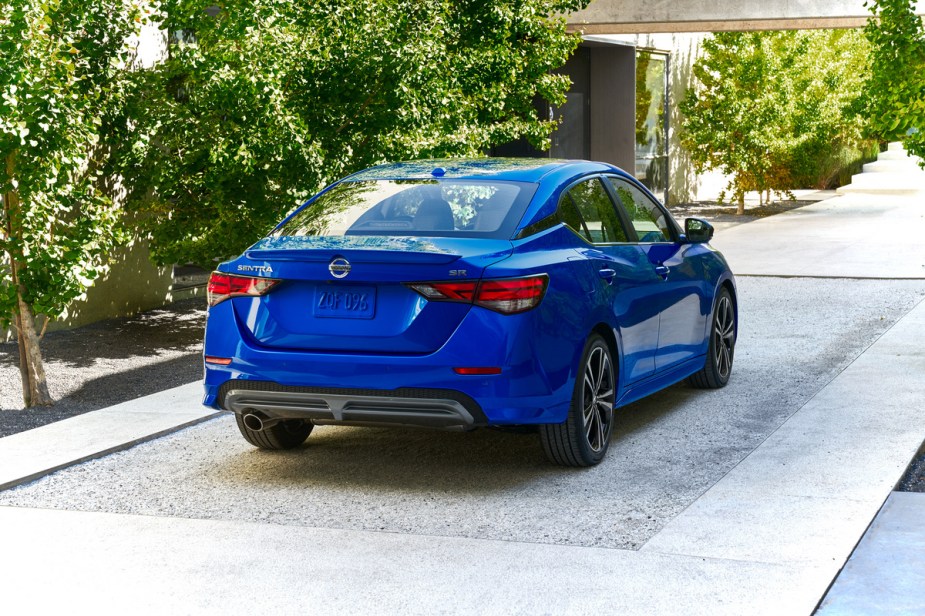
[418,460]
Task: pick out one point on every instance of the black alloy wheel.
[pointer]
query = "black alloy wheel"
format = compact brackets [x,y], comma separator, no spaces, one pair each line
[717,367]
[583,439]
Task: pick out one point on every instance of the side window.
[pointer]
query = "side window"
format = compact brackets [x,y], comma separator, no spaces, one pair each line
[601,225]
[646,217]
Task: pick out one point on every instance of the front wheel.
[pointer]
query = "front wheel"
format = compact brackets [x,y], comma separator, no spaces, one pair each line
[717,367]
[583,439]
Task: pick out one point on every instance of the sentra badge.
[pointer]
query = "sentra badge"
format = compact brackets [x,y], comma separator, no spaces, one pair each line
[339,267]
[256,269]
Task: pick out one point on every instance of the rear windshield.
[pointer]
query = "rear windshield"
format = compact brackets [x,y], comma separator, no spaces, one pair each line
[443,208]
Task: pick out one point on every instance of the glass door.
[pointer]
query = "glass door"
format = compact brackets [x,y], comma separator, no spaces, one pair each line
[652,121]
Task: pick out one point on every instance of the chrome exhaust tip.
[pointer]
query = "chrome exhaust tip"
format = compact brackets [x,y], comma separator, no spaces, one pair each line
[254,422]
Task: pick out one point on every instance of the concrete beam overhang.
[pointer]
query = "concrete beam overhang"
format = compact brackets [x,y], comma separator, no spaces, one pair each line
[651,16]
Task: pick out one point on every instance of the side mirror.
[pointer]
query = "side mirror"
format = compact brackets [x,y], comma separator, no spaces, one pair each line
[698,231]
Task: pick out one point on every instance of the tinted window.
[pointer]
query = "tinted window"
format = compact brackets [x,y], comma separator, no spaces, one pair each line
[414,208]
[650,222]
[598,214]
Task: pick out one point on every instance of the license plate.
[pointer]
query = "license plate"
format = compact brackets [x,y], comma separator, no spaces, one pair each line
[345,302]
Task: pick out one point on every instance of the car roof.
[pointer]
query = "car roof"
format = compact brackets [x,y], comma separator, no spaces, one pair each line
[510,169]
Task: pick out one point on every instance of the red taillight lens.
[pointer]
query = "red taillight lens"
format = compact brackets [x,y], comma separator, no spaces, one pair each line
[447,291]
[223,286]
[512,295]
[505,295]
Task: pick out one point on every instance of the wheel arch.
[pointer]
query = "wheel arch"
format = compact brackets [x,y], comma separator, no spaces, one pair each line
[729,285]
[612,339]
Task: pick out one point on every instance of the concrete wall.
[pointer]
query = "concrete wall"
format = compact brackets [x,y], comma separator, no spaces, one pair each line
[613,105]
[646,16]
[133,284]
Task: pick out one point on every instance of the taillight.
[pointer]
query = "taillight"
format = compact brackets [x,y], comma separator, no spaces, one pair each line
[505,295]
[223,286]
[447,291]
[512,295]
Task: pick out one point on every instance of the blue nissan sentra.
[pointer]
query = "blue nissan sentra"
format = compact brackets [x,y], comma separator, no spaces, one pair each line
[464,293]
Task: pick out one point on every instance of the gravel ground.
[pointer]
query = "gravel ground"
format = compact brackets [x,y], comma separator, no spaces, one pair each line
[796,335]
[105,363]
[914,479]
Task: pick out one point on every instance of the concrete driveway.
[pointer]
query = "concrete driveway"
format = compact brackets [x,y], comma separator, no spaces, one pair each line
[743,500]
[854,236]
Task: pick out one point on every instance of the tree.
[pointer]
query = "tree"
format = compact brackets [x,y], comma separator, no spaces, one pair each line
[769,108]
[895,89]
[260,104]
[59,68]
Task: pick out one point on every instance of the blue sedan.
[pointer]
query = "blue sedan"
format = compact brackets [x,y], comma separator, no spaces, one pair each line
[464,293]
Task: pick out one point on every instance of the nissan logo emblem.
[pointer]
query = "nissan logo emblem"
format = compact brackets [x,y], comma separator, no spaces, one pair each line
[339,267]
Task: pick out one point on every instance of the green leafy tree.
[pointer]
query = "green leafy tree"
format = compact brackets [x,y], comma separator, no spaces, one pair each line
[895,90]
[261,103]
[769,108]
[59,67]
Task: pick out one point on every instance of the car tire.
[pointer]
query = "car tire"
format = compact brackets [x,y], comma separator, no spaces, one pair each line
[284,435]
[717,367]
[583,438]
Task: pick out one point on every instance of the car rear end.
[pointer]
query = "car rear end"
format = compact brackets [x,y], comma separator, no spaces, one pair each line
[376,304]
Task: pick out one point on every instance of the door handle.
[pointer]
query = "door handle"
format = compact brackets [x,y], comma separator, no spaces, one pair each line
[662,271]
[607,274]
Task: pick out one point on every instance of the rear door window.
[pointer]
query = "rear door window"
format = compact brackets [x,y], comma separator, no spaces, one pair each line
[649,221]
[588,209]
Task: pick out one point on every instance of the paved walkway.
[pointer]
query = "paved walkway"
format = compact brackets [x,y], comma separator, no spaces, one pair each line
[854,236]
[768,538]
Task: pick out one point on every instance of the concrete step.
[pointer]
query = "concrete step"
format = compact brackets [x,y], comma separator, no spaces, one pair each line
[889,179]
[894,166]
[879,190]
[894,155]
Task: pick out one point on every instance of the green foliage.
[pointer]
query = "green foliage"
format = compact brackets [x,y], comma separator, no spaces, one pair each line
[59,68]
[769,108]
[895,89]
[259,106]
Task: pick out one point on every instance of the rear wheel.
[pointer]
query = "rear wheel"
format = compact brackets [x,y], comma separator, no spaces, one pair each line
[717,367]
[583,439]
[284,435]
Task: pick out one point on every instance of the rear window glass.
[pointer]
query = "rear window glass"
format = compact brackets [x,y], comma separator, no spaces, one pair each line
[451,208]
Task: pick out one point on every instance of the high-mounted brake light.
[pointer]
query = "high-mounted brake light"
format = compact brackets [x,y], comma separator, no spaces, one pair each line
[224,286]
[505,295]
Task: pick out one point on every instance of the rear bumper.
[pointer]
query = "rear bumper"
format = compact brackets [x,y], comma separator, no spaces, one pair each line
[410,407]
[534,387]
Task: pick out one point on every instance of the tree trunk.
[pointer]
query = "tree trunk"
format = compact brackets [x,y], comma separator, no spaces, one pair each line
[26,390]
[741,208]
[31,368]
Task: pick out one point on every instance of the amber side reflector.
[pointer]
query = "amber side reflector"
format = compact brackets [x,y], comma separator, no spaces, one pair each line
[221,361]
[477,370]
